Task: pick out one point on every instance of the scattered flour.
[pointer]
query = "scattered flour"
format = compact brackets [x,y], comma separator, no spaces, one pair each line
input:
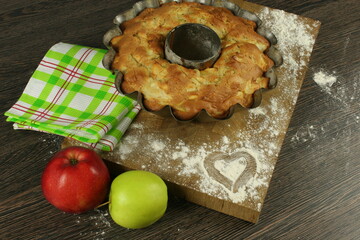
[257,111]
[343,91]
[247,160]
[291,33]
[230,169]
[136,126]
[99,219]
[225,140]
[308,133]
[189,161]
[325,80]
[157,145]
[50,139]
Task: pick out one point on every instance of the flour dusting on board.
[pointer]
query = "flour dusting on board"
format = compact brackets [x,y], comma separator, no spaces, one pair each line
[216,175]
[236,166]
[291,32]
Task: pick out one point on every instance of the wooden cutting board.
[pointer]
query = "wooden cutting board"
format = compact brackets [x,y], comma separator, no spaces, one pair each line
[225,165]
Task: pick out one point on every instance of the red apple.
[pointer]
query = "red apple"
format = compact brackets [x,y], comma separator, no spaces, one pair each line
[75,180]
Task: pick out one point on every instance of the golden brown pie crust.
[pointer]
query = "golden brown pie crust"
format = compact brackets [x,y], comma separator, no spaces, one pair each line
[233,79]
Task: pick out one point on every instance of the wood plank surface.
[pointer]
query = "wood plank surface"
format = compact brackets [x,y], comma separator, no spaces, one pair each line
[226,165]
[314,192]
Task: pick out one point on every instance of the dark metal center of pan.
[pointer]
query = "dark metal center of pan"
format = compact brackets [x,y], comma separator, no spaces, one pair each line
[192,45]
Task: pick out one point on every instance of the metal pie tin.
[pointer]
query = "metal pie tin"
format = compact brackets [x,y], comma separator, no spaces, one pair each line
[167,111]
[192,45]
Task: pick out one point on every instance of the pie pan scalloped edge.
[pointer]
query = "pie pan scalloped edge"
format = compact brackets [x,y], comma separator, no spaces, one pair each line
[166,111]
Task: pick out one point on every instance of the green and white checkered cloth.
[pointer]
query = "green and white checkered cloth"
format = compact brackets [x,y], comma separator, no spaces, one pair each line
[71,94]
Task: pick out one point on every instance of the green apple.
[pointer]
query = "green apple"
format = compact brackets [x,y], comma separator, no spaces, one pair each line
[137,199]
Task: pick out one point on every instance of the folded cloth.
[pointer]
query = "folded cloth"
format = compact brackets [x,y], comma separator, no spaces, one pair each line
[71,94]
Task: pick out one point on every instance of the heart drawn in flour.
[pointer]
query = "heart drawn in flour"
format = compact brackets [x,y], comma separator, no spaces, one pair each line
[231,170]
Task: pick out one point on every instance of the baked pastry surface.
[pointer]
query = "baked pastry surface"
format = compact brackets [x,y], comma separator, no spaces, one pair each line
[233,79]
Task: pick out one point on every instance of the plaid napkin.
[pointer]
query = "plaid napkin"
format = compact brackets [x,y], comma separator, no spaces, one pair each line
[71,94]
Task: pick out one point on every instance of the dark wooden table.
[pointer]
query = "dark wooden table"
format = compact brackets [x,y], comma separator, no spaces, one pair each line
[315,189]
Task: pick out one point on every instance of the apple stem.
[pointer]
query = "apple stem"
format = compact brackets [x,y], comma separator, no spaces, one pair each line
[103,204]
[73,162]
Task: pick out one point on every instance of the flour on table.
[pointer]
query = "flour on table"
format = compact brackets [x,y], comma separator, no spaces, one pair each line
[225,140]
[157,145]
[257,111]
[100,219]
[137,126]
[291,32]
[244,169]
[324,80]
[308,133]
[229,169]
[345,93]
[188,161]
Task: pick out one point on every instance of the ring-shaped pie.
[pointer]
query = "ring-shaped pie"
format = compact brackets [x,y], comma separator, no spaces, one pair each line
[233,79]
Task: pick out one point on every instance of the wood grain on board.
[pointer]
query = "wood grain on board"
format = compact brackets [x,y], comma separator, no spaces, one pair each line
[315,188]
[249,142]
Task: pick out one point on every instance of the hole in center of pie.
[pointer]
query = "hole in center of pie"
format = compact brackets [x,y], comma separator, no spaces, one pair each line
[194,42]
